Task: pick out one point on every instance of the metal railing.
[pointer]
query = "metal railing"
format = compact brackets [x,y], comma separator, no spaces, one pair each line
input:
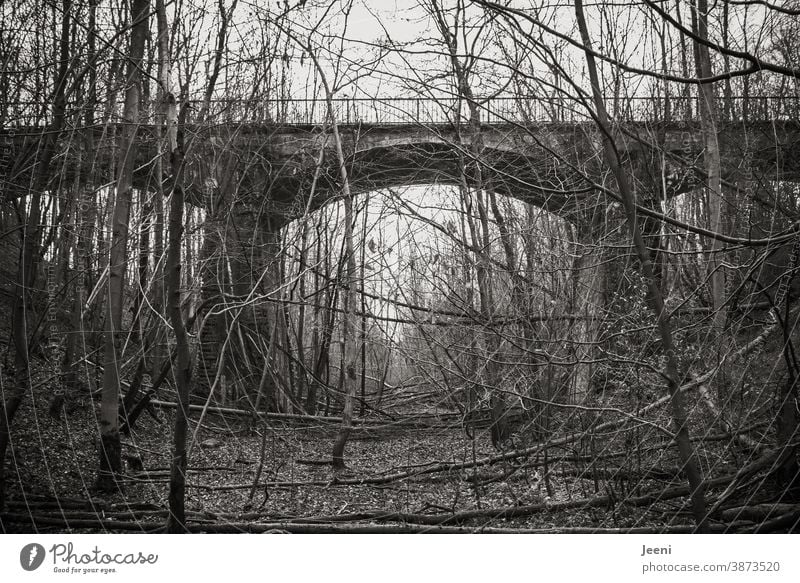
[498,110]
[429,111]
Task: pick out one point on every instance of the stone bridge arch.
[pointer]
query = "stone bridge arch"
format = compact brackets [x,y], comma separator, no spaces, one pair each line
[375,165]
[541,165]
[252,177]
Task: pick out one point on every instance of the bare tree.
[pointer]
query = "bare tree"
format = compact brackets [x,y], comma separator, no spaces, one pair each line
[611,156]
[30,244]
[110,450]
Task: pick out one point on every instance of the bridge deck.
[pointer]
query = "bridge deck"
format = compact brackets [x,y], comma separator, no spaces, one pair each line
[389,143]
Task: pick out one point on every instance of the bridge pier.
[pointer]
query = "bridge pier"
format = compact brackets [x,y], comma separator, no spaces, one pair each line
[588,296]
[240,353]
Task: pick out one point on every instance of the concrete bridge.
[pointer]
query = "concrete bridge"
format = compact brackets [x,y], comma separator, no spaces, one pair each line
[251,164]
[266,153]
[555,166]
[540,152]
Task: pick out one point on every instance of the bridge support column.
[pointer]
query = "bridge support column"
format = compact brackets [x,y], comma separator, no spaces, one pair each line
[263,367]
[589,276]
[243,343]
[215,285]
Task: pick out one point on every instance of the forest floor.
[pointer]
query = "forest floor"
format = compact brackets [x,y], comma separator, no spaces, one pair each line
[249,475]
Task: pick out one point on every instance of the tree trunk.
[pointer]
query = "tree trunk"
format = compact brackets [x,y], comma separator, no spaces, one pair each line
[679,417]
[110,448]
[177,480]
[709,120]
[176,522]
[348,373]
[27,268]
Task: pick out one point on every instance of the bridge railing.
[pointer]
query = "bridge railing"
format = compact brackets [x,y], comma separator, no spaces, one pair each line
[499,110]
[428,111]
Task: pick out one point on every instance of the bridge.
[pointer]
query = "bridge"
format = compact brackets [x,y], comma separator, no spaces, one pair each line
[540,150]
[251,163]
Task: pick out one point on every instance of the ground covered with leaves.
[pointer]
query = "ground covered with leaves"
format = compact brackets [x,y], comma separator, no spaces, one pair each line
[410,473]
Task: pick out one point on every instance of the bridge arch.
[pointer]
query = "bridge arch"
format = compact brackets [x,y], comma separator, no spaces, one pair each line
[542,182]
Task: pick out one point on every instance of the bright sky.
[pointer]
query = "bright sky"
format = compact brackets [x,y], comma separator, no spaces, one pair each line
[416,55]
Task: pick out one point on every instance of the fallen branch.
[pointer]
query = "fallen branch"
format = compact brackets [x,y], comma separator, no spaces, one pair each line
[770,458]
[314,462]
[310,528]
[789,522]
[758,513]
[730,430]
[373,423]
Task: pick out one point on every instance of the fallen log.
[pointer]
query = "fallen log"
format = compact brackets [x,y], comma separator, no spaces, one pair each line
[371,423]
[326,528]
[789,522]
[758,512]
[82,523]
